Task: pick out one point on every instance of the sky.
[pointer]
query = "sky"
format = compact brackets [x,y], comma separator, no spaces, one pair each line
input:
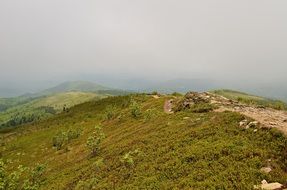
[43,42]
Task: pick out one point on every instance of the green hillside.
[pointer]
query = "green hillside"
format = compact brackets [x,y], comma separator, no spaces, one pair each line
[6,103]
[138,146]
[251,99]
[31,109]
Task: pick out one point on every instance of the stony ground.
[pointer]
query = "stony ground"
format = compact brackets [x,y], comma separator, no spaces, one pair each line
[267,117]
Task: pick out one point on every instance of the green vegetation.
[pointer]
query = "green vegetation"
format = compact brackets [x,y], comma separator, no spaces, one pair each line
[251,99]
[110,112]
[94,141]
[64,137]
[154,150]
[128,158]
[6,103]
[30,110]
[22,178]
[135,109]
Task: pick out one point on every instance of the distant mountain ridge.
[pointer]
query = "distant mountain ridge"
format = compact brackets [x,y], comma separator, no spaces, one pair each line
[81,86]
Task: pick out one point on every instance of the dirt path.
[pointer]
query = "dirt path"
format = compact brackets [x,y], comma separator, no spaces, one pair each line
[168,106]
[266,116]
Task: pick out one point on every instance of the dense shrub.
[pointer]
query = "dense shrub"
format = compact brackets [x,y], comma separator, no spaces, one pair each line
[64,137]
[22,178]
[59,140]
[73,134]
[135,109]
[110,112]
[93,141]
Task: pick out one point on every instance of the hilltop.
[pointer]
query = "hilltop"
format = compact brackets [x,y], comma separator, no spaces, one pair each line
[141,146]
[24,110]
[31,107]
[80,86]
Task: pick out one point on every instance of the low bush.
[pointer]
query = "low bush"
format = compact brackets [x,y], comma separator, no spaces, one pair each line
[93,141]
[22,178]
[64,137]
[135,109]
[202,108]
[88,184]
[128,158]
[110,112]
[149,114]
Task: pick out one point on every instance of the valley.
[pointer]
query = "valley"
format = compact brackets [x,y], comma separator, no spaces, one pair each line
[31,107]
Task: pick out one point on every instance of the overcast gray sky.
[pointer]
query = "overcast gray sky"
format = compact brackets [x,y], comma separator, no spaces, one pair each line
[57,39]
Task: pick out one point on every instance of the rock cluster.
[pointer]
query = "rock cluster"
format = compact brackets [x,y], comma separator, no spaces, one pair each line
[244,123]
[195,97]
[266,170]
[190,99]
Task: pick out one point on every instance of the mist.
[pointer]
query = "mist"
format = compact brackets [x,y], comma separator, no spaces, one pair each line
[133,44]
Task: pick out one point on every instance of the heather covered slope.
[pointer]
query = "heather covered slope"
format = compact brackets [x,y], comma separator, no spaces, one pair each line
[146,148]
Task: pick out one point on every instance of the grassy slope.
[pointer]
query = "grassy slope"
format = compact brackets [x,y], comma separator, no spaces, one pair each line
[251,99]
[6,103]
[68,99]
[206,151]
[57,101]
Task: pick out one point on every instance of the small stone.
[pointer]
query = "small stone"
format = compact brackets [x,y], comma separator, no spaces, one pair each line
[253,124]
[255,130]
[266,170]
[272,123]
[155,96]
[243,123]
[264,181]
[186,118]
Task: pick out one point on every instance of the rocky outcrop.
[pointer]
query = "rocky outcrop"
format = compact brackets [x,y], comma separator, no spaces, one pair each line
[269,186]
[191,99]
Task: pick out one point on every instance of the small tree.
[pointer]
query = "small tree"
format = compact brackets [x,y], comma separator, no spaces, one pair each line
[59,139]
[64,137]
[110,112]
[93,141]
[135,109]
[128,158]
